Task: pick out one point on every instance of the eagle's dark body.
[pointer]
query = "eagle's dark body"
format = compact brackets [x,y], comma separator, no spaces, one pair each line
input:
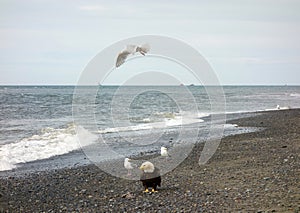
[151,179]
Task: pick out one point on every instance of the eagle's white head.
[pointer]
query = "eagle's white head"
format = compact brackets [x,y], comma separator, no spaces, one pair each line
[147,167]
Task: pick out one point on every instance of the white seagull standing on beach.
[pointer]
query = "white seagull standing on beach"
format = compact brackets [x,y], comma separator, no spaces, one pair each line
[164,152]
[131,50]
[128,165]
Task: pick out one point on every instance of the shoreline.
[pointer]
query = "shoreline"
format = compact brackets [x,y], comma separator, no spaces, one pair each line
[77,157]
[256,171]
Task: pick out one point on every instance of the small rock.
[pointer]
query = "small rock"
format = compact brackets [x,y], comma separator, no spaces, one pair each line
[128,195]
[83,191]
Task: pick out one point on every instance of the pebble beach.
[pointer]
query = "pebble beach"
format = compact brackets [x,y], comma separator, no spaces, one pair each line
[251,172]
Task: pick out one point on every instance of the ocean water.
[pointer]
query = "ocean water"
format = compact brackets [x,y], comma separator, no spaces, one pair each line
[39,125]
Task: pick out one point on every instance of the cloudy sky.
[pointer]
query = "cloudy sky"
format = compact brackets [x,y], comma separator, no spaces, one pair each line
[245,42]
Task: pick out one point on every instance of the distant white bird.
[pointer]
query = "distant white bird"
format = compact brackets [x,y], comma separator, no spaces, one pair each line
[164,152]
[131,50]
[128,165]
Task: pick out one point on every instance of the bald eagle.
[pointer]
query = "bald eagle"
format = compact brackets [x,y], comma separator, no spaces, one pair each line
[150,176]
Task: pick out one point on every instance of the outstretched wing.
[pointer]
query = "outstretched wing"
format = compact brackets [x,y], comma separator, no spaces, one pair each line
[122,57]
[131,48]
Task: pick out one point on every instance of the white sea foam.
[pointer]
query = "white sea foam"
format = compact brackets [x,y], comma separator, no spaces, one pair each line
[227,126]
[295,95]
[50,142]
[185,119]
[278,108]
[125,128]
[168,120]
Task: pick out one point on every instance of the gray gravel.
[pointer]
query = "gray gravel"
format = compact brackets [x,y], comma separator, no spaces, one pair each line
[253,172]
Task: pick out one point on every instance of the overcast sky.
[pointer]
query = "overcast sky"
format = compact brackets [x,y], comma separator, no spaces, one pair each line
[245,42]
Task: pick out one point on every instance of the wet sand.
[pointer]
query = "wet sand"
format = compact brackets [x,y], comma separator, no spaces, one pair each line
[252,172]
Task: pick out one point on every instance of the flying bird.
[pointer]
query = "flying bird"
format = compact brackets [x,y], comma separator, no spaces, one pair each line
[128,165]
[131,50]
[164,152]
[150,176]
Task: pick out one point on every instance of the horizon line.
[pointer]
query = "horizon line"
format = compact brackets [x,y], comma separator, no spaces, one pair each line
[74,85]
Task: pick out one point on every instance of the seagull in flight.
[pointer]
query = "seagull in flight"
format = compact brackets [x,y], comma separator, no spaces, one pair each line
[131,50]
